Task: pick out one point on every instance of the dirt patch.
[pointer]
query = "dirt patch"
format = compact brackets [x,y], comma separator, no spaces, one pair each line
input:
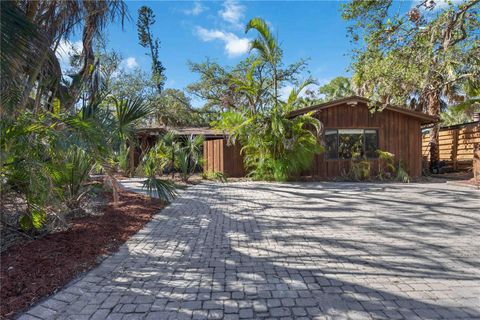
[34,269]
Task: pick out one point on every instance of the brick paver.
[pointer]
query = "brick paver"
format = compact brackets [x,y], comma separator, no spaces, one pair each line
[306,251]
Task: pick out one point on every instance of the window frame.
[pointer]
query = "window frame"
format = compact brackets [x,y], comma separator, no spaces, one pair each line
[338,142]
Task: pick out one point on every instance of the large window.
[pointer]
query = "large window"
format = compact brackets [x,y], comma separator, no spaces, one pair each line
[351,143]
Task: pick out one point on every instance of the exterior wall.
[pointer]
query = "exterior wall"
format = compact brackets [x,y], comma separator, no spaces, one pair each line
[456,145]
[218,157]
[397,133]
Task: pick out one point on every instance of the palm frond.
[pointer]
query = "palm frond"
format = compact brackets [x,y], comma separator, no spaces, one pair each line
[268,41]
[294,94]
[161,189]
[129,111]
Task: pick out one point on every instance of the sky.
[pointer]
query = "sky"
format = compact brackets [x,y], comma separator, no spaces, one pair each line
[195,30]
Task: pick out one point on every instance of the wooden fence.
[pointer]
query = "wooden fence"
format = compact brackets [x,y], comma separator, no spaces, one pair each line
[219,157]
[456,145]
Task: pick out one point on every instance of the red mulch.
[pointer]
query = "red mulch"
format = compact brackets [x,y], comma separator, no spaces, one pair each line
[32,270]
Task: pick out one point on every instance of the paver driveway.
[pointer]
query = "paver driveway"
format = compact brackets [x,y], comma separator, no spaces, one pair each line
[319,250]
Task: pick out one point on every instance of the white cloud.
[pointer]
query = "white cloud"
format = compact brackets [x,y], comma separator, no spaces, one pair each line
[284,92]
[234,45]
[433,5]
[232,12]
[65,50]
[197,9]
[129,63]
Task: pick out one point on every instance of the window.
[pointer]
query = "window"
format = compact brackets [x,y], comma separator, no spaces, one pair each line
[351,143]
[331,144]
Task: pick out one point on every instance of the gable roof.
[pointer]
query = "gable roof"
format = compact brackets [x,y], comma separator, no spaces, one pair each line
[425,118]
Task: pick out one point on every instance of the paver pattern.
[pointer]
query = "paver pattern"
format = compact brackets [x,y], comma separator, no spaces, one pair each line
[295,250]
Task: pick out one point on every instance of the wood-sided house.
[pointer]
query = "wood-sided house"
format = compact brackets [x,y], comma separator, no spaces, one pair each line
[349,127]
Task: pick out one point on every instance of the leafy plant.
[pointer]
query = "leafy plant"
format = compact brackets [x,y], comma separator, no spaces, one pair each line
[189,157]
[161,189]
[402,174]
[274,145]
[34,218]
[71,173]
[386,165]
[123,158]
[215,175]
[153,164]
[359,169]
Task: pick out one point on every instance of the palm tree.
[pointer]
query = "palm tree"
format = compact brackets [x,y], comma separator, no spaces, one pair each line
[280,146]
[31,32]
[267,47]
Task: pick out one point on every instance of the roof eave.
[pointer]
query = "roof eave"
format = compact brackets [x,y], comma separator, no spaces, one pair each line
[426,119]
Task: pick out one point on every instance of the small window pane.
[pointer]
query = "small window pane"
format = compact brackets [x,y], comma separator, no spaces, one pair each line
[331,144]
[371,143]
[350,131]
[350,145]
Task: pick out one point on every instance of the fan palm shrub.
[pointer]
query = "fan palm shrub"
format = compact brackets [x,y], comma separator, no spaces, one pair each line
[189,156]
[71,174]
[275,146]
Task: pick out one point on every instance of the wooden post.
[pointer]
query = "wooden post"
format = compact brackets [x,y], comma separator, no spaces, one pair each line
[455,149]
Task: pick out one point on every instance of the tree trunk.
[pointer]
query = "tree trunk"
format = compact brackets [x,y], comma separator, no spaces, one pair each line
[433,109]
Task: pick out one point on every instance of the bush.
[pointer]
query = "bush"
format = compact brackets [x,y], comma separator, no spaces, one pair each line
[215,176]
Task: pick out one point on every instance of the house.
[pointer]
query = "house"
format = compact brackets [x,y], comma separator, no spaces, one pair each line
[349,127]
[148,136]
[218,155]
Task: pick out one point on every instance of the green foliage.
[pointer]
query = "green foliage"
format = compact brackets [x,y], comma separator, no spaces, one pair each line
[275,146]
[215,176]
[123,158]
[339,87]
[127,113]
[452,116]
[70,174]
[146,19]
[154,163]
[161,189]
[359,169]
[421,58]
[189,157]
[386,165]
[54,130]
[173,108]
[402,174]
[33,219]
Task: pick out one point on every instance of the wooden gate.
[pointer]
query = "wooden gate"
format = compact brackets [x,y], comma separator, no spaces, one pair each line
[219,157]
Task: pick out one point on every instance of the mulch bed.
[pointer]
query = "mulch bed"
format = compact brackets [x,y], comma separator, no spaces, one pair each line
[32,270]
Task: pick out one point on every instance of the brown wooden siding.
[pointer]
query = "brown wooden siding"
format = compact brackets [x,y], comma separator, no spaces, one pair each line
[219,157]
[398,133]
[456,145]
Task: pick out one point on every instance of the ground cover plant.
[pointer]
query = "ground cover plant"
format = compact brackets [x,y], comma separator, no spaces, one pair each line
[33,269]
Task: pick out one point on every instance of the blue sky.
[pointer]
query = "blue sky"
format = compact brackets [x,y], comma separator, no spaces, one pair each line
[195,30]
